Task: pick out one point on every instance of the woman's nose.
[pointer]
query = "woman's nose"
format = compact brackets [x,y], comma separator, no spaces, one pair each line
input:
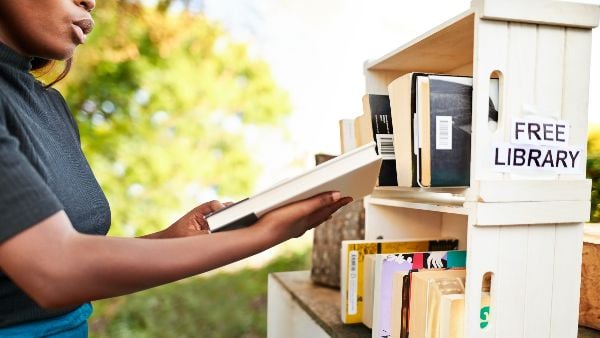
[88,5]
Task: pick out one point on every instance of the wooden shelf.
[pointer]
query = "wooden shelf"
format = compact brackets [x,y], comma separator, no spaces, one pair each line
[442,49]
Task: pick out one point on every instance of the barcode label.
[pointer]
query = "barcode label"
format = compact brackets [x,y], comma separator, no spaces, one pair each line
[385,145]
[443,132]
[353,282]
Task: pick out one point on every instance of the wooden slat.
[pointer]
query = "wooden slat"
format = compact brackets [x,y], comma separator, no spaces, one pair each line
[494,214]
[549,12]
[482,257]
[491,48]
[511,281]
[576,88]
[539,280]
[391,222]
[567,272]
[531,191]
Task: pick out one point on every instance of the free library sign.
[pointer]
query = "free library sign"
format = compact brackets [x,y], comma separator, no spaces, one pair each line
[538,144]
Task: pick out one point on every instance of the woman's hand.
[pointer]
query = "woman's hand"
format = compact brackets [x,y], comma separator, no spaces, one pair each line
[294,219]
[191,224]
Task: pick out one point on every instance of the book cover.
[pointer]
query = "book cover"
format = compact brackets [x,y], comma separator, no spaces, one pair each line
[443,129]
[397,295]
[400,96]
[352,267]
[352,174]
[388,264]
[381,123]
[443,284]
[367,315]
[451,316]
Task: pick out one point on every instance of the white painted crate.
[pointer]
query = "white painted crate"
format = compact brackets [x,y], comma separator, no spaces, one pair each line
[525,229]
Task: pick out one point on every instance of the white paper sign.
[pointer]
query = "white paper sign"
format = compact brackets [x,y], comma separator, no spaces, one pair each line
[539,131]
[560,160]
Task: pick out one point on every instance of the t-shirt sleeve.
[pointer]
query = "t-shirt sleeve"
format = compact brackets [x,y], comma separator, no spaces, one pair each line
[25,198]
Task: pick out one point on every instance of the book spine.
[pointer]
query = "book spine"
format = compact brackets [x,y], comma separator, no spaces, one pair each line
[381,121]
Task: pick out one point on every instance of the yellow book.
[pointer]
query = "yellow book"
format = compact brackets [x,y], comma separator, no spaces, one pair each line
[352,267]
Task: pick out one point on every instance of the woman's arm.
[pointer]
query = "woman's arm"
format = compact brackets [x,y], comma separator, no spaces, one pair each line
[58,267]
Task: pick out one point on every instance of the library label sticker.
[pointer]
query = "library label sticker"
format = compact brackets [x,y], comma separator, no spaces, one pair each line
[538,143]
[353,283]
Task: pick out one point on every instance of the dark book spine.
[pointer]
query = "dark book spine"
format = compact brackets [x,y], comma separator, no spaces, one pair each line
[381,122]
[405,310]
[450,138]
[443,245]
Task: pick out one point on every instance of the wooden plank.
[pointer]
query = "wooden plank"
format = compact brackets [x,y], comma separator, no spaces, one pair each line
[378,80]
[482,257]
[455,226]
[537,190]
[589,307]
[576,88]
[519,79]
[567,273]
[391,222]
[511,281]
[491,48]
[493,214]
[539,278]
[285,316]
[549,12]
[440,50]
[549,71]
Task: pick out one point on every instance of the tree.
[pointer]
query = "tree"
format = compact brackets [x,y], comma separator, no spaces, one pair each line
[162,100]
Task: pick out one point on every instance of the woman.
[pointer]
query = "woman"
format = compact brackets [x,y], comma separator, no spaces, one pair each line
[54,257]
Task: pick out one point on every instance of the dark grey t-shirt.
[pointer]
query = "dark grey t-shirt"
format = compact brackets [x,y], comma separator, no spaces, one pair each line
[42,171]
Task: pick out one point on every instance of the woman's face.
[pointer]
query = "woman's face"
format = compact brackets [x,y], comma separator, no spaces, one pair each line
[50,29]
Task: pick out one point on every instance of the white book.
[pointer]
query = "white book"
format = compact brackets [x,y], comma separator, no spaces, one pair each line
[353,174]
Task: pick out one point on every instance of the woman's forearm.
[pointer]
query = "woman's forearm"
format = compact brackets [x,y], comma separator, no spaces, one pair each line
[60,267]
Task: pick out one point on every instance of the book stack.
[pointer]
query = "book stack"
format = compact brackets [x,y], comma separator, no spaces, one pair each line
[407,288]
[422,129]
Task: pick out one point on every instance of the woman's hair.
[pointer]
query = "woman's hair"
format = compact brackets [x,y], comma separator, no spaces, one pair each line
[44,66]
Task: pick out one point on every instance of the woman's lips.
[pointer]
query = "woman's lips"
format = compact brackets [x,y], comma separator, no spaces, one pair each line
[82,28]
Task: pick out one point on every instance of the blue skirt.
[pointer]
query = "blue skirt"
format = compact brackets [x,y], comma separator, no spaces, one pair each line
[71,325]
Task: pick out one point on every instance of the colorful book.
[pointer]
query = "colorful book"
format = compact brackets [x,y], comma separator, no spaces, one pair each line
[352,267]
[388,264]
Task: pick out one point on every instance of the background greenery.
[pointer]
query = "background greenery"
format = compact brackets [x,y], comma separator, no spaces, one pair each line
[163,100]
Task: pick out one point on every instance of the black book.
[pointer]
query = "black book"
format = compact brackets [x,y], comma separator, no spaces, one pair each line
[443,131]
[381,121]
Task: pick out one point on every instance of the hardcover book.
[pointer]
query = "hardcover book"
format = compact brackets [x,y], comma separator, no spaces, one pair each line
[378,108]
[352,174]
[426,288]
[352,267]
[402,95]
[443,128]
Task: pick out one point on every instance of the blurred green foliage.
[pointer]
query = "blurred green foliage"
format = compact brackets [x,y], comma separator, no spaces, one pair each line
[226,304]
[162,99]
[593,170]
